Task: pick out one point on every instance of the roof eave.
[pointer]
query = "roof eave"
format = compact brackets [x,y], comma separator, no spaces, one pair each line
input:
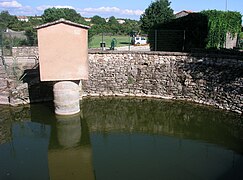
[62,21]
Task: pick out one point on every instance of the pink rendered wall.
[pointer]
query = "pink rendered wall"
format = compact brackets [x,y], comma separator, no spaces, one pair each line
[63,52]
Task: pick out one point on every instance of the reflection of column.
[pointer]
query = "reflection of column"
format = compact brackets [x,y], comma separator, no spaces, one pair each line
[68,131]
[68,156]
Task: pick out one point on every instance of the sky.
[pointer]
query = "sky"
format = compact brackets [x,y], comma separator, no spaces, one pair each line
[131,9]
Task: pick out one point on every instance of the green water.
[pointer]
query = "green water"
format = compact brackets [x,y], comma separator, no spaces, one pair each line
[121,139]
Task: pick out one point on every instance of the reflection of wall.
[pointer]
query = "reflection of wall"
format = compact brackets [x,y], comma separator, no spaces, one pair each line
[162,117]
[5,132]
[5,125]
[8,115]
[68,156]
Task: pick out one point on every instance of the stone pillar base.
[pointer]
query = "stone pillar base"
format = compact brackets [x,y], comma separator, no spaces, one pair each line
[66,98]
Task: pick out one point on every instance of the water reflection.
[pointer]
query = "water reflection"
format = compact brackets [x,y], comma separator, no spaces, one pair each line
[8,116]
[69,153]
[23,152]
[159,117]
[131,139]
[36,144]
[155,139]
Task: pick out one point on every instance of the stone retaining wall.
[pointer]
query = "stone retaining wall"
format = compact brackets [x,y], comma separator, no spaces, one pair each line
[213,80]
[208,79]
[25,51]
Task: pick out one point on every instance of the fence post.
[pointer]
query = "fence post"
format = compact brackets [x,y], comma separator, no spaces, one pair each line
[155,39]
[184,39]
[129,47]
[1,43]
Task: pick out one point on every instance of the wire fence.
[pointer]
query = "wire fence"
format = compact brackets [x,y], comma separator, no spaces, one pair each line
[186,41]
[10,39]
[167,40]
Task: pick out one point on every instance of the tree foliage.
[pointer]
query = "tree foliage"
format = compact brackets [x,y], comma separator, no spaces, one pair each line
[53,14]
[207,29]
[158,12]
[220,23]
[113,27]
[98,24]
[98,20]
[7,21]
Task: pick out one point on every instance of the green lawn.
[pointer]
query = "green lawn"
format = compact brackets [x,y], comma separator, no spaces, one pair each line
[121,41]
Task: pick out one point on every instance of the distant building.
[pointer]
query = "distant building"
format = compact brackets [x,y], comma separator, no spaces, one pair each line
[23,18]
[36,17]
[183,13]
[121,21]
[14,34]
[87,19]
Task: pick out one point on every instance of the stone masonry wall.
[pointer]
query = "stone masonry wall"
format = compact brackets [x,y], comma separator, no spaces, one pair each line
[211,80]
[25,51]
[208,79]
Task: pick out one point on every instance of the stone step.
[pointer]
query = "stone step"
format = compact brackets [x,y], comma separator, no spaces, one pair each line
[4,91]
[4,99]
[3,84]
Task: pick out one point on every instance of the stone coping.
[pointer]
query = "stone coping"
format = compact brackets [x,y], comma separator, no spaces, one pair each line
[197,53]
[165,53]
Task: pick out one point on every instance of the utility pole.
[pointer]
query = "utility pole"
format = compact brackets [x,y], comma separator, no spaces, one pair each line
[226,5]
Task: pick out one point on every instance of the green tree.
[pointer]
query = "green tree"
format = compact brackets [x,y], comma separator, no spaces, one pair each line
[114,26]
[53,14]
[158,12]
[131,25]
[98,20]
[7,20]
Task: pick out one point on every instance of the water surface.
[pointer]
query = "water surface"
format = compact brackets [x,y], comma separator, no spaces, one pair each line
[121,139]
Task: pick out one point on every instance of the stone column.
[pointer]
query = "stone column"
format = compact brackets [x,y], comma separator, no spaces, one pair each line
[66,98]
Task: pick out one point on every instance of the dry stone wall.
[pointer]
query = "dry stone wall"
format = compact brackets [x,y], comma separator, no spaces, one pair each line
[212,80]
[25,51]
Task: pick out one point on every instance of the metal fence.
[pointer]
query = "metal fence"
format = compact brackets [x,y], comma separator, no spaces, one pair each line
[185,40]
[167,40]
[10,39]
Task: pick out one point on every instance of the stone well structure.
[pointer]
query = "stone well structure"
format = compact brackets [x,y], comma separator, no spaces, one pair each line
[210,79]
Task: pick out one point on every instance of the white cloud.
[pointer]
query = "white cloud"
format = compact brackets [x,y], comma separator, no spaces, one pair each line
[42,8]
[14,7]
[110,10]
[10,4]
[101,10]
[132,12]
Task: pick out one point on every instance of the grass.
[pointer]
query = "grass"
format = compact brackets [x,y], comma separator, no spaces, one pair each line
[121,41]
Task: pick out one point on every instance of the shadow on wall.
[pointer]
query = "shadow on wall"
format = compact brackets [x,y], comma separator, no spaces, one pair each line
[218,80]
[38,91]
